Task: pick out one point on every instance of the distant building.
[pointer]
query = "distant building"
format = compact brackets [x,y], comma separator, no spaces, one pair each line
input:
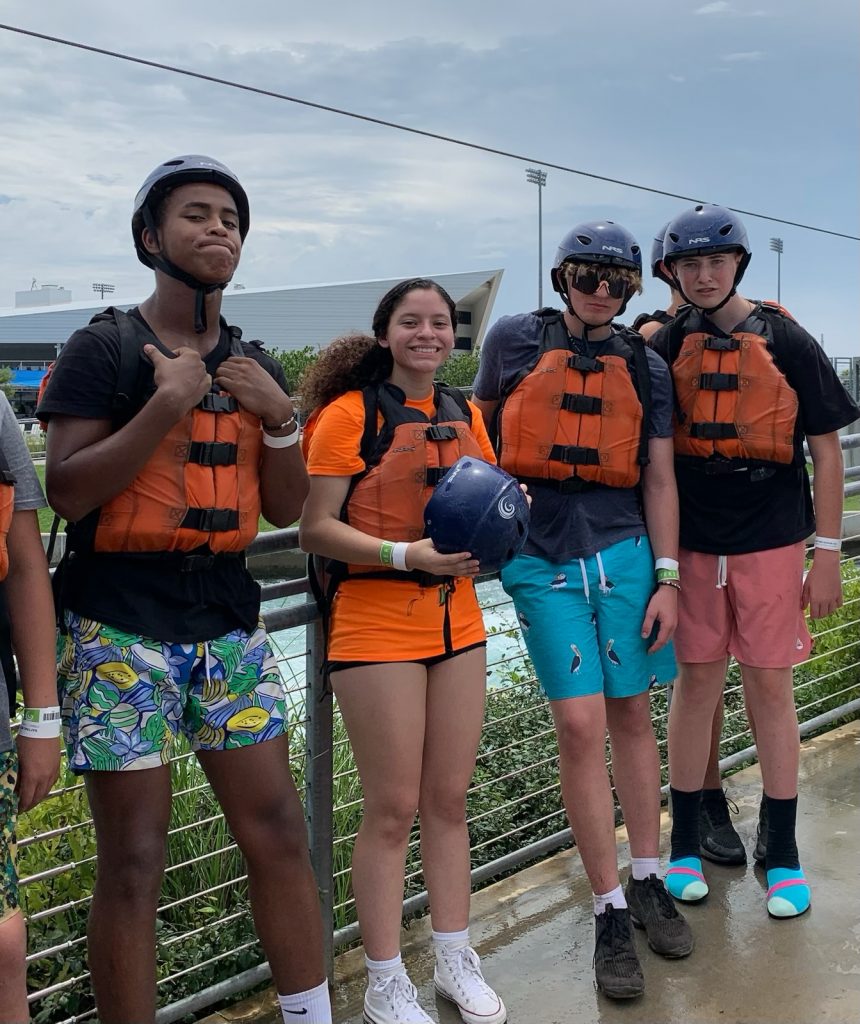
[282,318]
[45,295]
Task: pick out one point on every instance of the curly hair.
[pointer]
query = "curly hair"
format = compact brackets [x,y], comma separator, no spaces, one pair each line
[349,362]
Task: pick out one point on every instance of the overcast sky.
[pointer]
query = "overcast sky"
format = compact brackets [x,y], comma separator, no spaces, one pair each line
[750,105]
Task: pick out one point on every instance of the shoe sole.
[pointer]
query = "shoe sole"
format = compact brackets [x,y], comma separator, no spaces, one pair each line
[735,860]
[618,993]
[484,1020]
[660,952]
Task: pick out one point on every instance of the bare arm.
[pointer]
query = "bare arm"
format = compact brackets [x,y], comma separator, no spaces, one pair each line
[283,484]
[322,532]
[87,464]
[822,591]
[660,501]
[487,408]
[31,615]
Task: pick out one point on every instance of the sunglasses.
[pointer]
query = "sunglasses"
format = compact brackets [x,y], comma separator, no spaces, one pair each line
[588,279]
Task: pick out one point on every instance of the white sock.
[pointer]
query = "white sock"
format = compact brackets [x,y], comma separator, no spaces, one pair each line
[643,867]
[451,940]
[383,968]
[609,899]
[311,1007]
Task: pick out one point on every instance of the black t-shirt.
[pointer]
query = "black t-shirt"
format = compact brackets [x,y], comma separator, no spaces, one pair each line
[150,595]
[735,513]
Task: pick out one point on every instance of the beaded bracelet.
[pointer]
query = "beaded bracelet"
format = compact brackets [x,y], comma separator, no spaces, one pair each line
[675,584]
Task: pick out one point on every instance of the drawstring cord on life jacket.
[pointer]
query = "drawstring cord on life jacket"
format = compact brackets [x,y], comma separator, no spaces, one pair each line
[722,571]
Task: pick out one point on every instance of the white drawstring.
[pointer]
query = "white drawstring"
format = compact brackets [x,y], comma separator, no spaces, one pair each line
[604,589]
[722,571]
[206,661]
[584,579]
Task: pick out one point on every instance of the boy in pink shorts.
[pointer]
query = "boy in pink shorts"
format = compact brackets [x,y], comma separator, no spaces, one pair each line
[750,384]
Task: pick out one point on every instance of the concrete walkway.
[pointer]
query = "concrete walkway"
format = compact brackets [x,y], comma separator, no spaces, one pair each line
[534,931]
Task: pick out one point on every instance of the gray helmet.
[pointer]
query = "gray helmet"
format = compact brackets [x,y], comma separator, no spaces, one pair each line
[657,257]
[184,170]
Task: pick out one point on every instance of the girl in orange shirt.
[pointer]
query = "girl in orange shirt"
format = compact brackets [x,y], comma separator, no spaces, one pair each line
[407,652]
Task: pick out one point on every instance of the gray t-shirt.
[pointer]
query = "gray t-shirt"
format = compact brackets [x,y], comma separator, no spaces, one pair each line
[566,526]
[28,495]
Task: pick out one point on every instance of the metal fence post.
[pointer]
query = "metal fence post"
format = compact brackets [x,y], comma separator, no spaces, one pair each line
[318,785]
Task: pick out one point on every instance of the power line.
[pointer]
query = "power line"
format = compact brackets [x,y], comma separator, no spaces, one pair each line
[173,69]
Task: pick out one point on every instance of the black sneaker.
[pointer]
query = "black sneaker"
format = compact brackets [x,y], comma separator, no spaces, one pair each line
[652,908]
[760,852]
[718,840]
[617,972]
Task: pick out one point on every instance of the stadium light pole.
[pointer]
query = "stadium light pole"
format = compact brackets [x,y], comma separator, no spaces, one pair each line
[102,289]
[776,246]
[535,176]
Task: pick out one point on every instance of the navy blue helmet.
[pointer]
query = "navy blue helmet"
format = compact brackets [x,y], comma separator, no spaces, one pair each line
[706,230]
[478,507]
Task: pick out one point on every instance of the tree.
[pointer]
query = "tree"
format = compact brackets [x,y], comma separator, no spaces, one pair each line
[5,386]
[459,370]
[294,362]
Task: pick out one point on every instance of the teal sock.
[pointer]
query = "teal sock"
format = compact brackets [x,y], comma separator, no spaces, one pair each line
[788,892]
[685,881]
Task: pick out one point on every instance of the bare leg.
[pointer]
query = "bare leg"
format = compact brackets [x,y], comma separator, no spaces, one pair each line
[383,707]
[13,970]
[256,790]
[713,778]
[694,699]
[769,694]
[580,724]
[636,771]
[131,811]
[450,744]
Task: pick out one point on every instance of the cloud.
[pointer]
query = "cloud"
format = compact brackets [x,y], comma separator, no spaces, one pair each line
[719,7]
[677,78]
[743,56]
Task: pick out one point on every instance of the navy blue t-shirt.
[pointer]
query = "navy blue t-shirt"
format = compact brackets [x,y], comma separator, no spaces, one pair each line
[566,526]
[734,513]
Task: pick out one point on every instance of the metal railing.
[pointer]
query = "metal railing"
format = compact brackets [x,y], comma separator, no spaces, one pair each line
[207,948]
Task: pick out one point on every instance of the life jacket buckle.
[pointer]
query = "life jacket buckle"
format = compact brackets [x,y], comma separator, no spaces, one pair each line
[196,563]
[718,382]
[210,520]
[713,431]
[574,455]
[212,402]
[722,344]
[433,474]
[437,432]
[584,364]
[213,453]
[588,404]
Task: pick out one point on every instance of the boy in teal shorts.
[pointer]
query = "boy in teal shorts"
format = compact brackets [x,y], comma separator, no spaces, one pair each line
[583,417]
[29,764]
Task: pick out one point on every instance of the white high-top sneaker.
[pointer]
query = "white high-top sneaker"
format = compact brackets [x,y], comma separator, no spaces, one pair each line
[393,999]
[458,978]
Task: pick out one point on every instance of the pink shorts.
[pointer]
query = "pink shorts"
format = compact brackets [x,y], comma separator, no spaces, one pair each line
[748,606]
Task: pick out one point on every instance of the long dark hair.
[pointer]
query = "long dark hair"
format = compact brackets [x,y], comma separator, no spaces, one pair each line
[355,361]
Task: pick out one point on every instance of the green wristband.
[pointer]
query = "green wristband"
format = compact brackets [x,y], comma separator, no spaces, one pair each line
[667,574]
[386,552]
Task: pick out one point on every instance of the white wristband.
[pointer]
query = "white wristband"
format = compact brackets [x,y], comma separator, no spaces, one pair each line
[666,563]
[828,543]
[281,442]
[40,723]
[398,556]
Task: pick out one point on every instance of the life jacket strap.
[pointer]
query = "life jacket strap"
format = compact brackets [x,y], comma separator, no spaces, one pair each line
[433,474]
[210,520]
[435,432]
[722,344]
[718,381]
[584,364]
[713,431]
[574,455]
[212,402]
[581,403]
[213,453]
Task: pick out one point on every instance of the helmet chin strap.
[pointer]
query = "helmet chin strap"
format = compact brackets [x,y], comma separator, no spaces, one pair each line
[200,289]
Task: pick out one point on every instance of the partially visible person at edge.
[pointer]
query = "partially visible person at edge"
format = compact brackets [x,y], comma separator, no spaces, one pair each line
[29,765]
[750,385]
[718,838]
[160,619]
[583,417]
[406,644]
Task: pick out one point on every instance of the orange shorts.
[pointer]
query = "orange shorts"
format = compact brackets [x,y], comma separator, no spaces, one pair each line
[389,620]
[748,606]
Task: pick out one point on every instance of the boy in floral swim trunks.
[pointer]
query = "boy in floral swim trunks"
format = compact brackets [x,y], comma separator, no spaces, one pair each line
[30,763]
[163,482]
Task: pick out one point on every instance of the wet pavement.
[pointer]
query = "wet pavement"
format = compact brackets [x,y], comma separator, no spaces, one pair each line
[534,930]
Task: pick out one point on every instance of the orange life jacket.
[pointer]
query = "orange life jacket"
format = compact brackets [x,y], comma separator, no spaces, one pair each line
[201,485]
[7,508]
[403,463]
[732,400]
[572,422]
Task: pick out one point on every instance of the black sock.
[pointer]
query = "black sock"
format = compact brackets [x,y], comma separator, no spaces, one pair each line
[713,796]
[781,836]
[685,823]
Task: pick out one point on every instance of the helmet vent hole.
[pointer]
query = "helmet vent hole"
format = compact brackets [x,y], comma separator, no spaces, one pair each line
[675,237]
[584,239]
[726,229]
[635,250]
[173,163]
